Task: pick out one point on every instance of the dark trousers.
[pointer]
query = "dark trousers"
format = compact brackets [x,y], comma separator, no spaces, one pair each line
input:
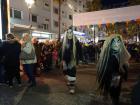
[29,68]
[115,94]
[11,72]
[2,74]
[70,72]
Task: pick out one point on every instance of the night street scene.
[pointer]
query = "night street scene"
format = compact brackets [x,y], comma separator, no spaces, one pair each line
[70,52]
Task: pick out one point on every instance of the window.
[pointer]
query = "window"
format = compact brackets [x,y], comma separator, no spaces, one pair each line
[46,4]
[35,2]
[62,12]
[17,14]
[34,18]
[46,19]
[75,28]
[80,2]
[55,23]
[83,6]
[11,12]
[56,10]
[45,26]
[70,17]
[40,26]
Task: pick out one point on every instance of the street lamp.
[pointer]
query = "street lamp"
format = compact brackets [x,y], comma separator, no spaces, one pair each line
[59,19]
[29,4]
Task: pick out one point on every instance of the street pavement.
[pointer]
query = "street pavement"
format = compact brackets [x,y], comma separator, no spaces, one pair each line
[51,89]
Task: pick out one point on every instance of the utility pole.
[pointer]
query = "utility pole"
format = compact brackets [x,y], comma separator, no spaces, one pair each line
[59,21]
[5,18]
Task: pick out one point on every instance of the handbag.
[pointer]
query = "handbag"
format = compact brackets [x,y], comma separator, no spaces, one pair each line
[27,56]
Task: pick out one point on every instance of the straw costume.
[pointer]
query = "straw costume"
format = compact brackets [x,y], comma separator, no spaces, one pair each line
[112,67]
[69,58]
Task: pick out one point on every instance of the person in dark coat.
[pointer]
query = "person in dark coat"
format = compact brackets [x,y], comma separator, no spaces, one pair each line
[12,49]
[2,71]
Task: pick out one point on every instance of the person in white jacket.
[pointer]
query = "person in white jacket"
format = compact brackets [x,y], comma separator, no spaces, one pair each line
[28,64]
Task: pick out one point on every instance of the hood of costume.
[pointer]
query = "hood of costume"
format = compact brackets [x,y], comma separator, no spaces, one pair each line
[65,43]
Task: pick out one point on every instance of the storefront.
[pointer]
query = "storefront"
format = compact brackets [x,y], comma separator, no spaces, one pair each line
[43,35]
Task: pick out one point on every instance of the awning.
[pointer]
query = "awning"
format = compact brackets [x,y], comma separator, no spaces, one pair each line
[107,16]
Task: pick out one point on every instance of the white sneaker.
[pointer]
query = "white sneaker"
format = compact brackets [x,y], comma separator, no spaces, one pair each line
[72,91]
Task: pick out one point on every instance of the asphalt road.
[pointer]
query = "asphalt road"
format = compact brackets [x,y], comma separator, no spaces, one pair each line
[52,90]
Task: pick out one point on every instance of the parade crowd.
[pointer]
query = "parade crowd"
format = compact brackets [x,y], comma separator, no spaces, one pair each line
[34,58]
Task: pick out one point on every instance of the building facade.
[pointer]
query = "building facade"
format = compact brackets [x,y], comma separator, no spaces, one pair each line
[43,17]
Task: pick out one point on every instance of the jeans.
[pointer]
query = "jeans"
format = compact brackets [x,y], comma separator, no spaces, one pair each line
[29,68]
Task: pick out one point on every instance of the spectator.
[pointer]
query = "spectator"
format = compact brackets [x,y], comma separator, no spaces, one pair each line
[12,49]
[28,62]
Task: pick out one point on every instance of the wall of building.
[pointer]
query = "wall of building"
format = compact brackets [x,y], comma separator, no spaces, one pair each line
[46,12]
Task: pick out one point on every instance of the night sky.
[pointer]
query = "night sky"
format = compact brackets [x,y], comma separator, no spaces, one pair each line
[112,2]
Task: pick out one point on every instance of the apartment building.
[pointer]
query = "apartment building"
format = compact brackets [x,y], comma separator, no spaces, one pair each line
[43,17]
